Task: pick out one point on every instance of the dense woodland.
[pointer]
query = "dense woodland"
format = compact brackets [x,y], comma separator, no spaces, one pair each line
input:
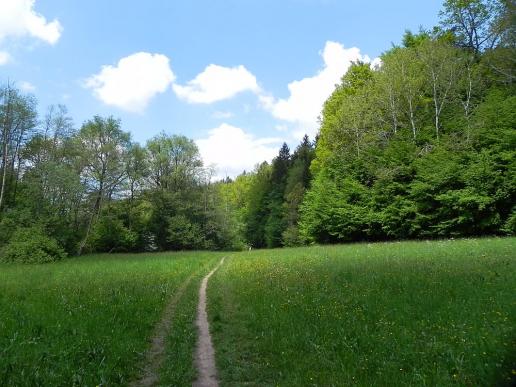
[421,146]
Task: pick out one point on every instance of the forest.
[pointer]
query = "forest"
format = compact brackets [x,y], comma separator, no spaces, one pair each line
[421,146]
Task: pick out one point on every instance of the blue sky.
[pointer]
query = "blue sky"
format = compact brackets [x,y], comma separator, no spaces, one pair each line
[238,76]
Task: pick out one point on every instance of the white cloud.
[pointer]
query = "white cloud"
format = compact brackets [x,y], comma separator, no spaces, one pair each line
[217,83]
[132,83]
[307,96]
[18,18]
[27,87]
[376,63]
[4,57]
[233,150]
[281,128]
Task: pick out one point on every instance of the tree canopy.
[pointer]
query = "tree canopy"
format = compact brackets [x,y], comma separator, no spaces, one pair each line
[420,146]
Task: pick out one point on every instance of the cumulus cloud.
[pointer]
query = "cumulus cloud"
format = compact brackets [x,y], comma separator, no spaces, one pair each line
[132,83]
[217,83]
[18,18]
[376,63]
[304,104]
[4,57]
[232,150]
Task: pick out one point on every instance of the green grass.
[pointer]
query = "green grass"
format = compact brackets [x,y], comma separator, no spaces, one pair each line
[87,321]
[410,313]
[178,368]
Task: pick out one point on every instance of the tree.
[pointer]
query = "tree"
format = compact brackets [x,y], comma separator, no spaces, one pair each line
[275,222]
[136,169]
[104,148]
[401,77]
[174,162]
[298,180]
[17,120]
[441,63]
[475,23]
[257,208]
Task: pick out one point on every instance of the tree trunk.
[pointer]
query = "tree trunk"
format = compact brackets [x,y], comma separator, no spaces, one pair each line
[4,150]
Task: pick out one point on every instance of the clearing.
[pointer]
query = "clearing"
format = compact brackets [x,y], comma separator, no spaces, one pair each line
[404,313]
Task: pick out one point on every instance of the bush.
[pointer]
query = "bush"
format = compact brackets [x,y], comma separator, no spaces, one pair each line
[31,245]
[111,235]
[291,237]
[510,225]
[183,234]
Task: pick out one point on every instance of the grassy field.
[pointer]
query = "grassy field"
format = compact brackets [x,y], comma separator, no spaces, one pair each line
[411,313]
[87,321]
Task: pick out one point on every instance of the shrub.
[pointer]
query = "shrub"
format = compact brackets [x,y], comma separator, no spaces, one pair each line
[31,245]
[110,234]
[510,225]
[183,234]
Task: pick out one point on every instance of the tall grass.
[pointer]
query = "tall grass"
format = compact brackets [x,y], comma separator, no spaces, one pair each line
[86,321]
[410,313]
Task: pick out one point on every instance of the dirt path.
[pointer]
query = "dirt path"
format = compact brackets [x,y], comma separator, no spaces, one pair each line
[205,355]
[156,354]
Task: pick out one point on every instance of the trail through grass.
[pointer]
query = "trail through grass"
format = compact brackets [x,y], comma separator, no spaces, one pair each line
[88,321]
[410,313]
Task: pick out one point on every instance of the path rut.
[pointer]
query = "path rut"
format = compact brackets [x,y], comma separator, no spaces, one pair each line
[205,355]
[156,354]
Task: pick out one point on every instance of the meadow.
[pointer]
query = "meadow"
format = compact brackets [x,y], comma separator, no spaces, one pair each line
[403,313]
[406,313]
[87,321]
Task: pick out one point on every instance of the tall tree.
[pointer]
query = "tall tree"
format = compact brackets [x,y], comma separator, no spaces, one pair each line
[442,66]
[402,80]
[17,119]
[104,147]
[174,162]
[275,222]
[257,208]
[298,180]
[475,23]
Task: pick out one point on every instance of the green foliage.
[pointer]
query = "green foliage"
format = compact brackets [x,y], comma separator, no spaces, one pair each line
[411,40]
[110,235]
[423,146]
[257,210]
[475,23]
[510,225]
[174,161]
[31,245]
[95,190]
[335,210]
[183,234]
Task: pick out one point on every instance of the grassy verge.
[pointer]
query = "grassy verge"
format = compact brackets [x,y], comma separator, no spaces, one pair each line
[179,368]
[411,313]
[86,321]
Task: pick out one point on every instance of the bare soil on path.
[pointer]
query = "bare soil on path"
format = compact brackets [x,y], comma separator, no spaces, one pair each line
[205,355]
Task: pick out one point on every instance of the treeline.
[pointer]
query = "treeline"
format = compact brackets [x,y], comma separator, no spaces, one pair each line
[66,191]
[265,203]
[422,146]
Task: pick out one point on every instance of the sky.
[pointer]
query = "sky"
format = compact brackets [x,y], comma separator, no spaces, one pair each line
[240,77]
